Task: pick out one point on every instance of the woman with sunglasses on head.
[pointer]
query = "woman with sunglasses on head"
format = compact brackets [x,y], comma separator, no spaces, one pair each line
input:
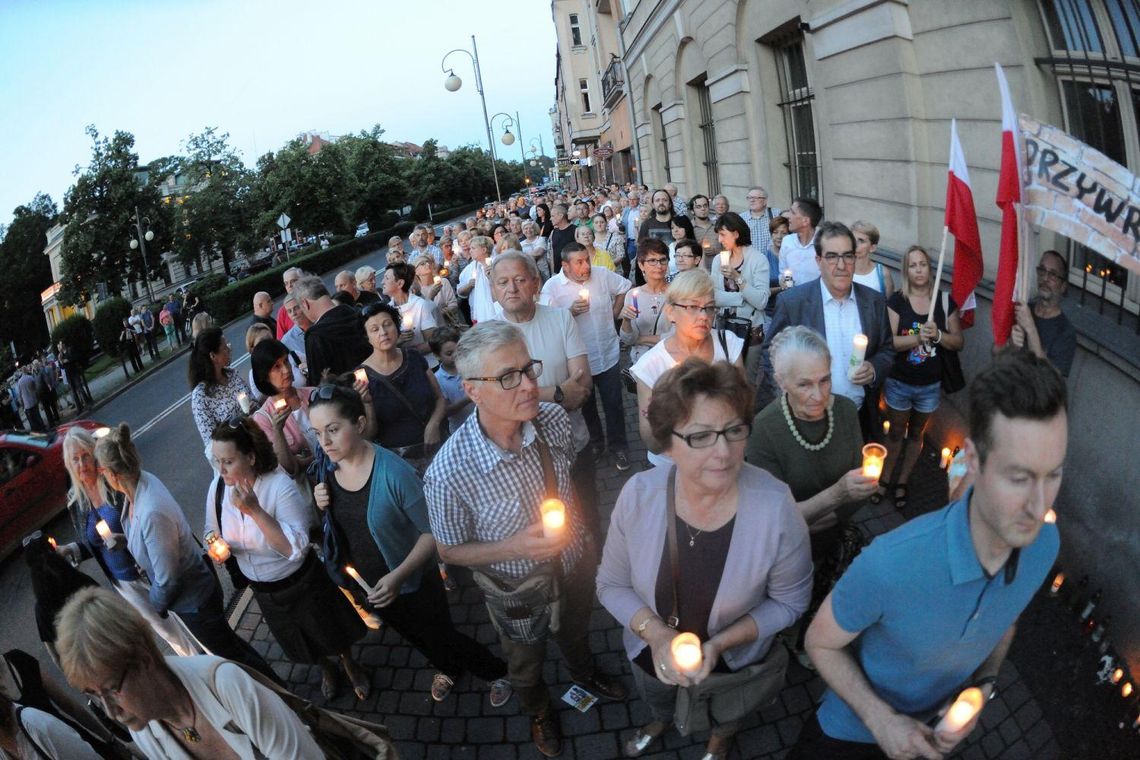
[408,407]
[90,502]
[256,508]
[214,385]
[376,507]
[159,538]
[710,546]
[690,307]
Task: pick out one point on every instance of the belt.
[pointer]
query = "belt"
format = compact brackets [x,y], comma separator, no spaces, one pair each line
[269,587]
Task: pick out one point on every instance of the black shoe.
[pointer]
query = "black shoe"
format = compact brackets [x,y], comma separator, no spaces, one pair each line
[547,733]
[621,461]
[604,686]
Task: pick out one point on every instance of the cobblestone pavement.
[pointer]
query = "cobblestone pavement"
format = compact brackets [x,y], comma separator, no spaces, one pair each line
[466,726]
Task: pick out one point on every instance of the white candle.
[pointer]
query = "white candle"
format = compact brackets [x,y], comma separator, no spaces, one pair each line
[356,577]
[584,294]
[1058,581]
[858,351]
[408,322]
[886,427]
[218,549]
[553,517]
[686,650]
[947,458]
[360,375]
[1050,517]
[725,258]
[968,704]
[243,402]
[436,280]
[788,279]
[103,529]
[873,457]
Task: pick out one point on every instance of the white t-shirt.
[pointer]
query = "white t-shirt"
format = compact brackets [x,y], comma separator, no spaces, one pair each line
[552,337]
[799,258]
[596,325]
[481,299]
[657,361]
[422,313]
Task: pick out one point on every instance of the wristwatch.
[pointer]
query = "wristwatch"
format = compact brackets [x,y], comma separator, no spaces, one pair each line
[559,396]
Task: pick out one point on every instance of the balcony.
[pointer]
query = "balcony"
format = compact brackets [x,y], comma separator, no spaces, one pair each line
[612,83]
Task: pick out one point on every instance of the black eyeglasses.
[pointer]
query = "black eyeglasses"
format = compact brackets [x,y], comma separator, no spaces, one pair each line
[512,378]
[694,309]
[111,693]
[707,438]
[655,262]
[1046,272]
[33,536]
[847,256]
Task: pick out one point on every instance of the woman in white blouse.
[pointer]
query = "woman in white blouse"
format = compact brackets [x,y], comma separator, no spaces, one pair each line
[643,321]
[741,282]
[534,245]
[255,507]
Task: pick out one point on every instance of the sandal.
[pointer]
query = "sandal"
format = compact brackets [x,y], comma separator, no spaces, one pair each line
[877,496]
[900,495]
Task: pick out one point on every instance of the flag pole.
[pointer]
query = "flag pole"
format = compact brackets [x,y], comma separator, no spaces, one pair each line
[938,276]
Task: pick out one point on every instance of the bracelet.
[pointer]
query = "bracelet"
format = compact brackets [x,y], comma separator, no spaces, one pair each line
[640,630]
[938,340]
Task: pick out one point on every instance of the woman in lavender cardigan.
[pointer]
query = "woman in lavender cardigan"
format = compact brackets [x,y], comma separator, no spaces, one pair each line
[743,555]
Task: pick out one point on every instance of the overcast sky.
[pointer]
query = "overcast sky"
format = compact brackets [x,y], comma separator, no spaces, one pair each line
[262,71]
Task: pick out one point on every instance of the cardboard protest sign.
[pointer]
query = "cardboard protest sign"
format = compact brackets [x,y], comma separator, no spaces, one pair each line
[1080,193]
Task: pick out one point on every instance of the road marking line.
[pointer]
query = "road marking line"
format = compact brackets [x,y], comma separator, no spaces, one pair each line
[174,407]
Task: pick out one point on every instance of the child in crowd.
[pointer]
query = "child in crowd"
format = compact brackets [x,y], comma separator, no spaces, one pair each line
[443,342]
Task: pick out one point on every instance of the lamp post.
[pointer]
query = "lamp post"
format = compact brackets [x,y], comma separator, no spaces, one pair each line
[452,83]
[139,243]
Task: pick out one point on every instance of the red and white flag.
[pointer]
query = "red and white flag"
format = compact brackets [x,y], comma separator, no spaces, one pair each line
[1008,199]
[963,224]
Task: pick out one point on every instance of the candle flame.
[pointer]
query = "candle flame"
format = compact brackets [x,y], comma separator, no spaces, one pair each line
[360,375]
[1116,676]
[1126,689]
[101,431]
[1050,517]
[686,650]
[1058,581]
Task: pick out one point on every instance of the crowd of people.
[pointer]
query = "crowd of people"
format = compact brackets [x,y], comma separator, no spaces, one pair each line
[454,409]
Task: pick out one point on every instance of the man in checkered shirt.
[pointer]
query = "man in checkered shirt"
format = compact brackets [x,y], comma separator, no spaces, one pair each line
[483,492]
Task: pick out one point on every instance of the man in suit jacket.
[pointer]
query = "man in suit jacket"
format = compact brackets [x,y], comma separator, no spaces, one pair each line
[839,308]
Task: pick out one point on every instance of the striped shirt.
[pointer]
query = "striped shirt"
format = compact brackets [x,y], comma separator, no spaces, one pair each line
[479,492]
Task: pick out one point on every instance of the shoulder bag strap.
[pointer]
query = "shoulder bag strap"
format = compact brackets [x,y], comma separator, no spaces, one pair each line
[723,344]
[219,489]
[945,298]
[671,538]
[399,395]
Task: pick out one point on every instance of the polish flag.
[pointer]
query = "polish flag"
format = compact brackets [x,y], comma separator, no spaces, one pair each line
[1008,200]
[963,224]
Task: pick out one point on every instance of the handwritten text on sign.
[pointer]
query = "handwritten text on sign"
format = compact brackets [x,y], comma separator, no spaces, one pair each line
[1080,193]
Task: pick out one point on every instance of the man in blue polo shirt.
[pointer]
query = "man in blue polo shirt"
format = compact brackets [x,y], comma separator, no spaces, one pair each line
[931,607]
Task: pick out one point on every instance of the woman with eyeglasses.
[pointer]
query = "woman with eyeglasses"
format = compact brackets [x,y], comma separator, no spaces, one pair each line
[741,283]
[90,502]
[167,553]
[408,406]
[283,417]
[214,385]
[690,306]
[686,255]
[680,228]
[643,321]
[711,547]
[257,509]
[913,390]
[376,510]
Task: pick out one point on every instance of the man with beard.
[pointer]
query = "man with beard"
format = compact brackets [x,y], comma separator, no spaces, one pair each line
[659,223]
[1041,326]
[563,233]
[704,230]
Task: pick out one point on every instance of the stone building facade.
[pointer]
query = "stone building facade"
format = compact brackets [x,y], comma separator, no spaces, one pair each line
[850,102]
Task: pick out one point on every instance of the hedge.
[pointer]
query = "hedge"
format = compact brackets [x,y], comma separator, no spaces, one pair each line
[236,299]
[109,323]
[76,331]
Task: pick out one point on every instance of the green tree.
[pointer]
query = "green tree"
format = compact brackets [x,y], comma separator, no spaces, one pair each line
[108,323]
[216,217]
[430,179]
[24,273]
[311,189]
[377,183]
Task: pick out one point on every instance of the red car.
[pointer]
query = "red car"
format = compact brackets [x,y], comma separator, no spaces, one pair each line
[33,481]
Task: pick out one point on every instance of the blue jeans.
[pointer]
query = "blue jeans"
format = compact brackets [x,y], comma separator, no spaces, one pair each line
[607,386]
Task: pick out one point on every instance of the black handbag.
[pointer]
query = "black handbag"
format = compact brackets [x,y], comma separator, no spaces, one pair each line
[237,577]
[953,379]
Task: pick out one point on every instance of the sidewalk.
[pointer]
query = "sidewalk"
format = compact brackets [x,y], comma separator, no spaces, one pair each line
[466,726]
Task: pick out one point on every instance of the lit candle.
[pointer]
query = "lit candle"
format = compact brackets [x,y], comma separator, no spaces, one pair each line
[968,704]
[243,402]
[553,517]
[103,529]
[706,245]
[443,272]
[101,431]
[874,455]
[789,280]
[687,655]
[947,457]
[1116,676]
[633,299]
[858,351]
[280,404]
[725,257]
[437,280]
[408,322]
[1058,581]
[584,294]
[886,427]
[1126,690]
[356,577]
[52,543]
[1050,516]
[360,375]
[217,548]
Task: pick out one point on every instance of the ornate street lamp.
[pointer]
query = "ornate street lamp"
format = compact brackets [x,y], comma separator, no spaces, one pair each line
[452,83]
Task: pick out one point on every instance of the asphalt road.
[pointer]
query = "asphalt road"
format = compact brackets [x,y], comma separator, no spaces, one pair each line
[158,410]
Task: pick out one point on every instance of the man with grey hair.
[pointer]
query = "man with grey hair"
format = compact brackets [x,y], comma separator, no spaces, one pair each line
[484,490]
[294,337]
[553,338]
[290,277]
[757,217]
[263,309]
[366,286]
[719,207]
[335,343]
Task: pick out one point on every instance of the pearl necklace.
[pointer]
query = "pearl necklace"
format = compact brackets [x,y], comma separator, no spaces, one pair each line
[796,431]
